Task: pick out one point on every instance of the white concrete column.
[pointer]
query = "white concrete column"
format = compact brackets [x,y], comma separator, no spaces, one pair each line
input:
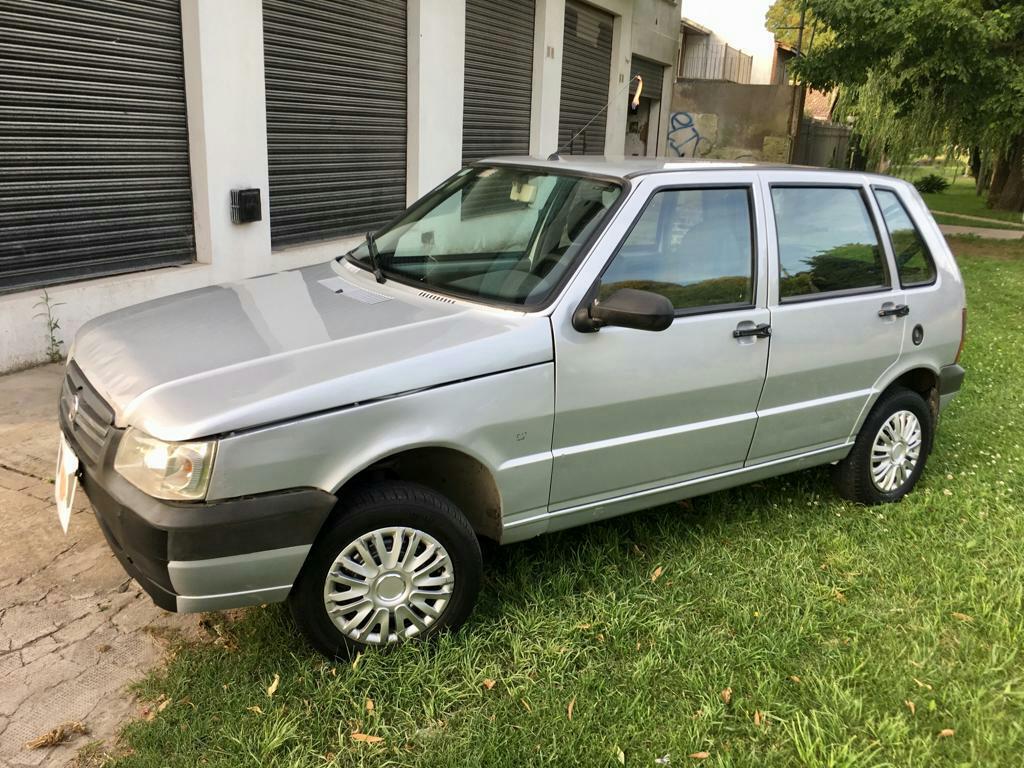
[618,93]
[667,88]
[437,61]
[222,42]
[549,28]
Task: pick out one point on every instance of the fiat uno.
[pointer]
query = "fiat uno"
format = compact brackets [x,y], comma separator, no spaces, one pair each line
[534,345]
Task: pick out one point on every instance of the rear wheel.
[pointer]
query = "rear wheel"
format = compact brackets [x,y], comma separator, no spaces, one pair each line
[399,562]
[890,451]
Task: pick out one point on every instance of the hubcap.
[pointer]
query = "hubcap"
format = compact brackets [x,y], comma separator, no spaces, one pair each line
[389,585]
[895,452]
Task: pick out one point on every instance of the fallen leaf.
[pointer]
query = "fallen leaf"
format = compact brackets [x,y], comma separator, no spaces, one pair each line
[163,705]
[839,596]
[572,706]
[795,678]
[961,616]
[911,706]
[148,713]
[356,660]
[255,709]
[488,683]
[726,695]
[757,717]
[946,492]
[102,648]
[58,735]
[366,738]
[620,756]
[663,760]
[583,626]
[920,684]
[370,705]
[946,732]
[656,574]
[599,637]
[272,689]
[700,755]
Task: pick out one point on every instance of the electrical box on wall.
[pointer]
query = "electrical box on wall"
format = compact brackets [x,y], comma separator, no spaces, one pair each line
[245,206]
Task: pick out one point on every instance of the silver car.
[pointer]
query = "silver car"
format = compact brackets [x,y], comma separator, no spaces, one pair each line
[532,346]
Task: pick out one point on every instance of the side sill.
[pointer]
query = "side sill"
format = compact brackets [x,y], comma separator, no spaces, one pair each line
[570,517]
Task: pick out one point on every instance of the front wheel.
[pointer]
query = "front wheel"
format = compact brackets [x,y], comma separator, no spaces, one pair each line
[399,562]
[890,451]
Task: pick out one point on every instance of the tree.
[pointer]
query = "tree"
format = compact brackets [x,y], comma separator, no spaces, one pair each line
[922,74]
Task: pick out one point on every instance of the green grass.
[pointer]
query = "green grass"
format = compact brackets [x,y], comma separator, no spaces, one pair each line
[960,197]
[826,620]
[977,222]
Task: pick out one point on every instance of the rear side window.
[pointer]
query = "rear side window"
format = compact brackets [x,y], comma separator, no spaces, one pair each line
[827,242]
[693,246]
[913,259]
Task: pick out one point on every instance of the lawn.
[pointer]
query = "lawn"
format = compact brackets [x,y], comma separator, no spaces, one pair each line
[977,222]
[959,198]
[771,625]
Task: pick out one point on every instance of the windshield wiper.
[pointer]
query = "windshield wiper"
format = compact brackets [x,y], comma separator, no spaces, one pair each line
[371,247]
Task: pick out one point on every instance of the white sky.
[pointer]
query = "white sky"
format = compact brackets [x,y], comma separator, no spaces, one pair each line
[740,23]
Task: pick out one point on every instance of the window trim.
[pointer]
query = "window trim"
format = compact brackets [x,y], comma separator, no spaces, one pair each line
[707,309]
[917,230]
[842,292]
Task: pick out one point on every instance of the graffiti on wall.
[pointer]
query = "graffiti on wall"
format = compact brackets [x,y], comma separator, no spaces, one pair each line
[692,135]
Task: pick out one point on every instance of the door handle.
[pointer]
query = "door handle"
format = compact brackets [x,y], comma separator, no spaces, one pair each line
[761,331]
[898,310]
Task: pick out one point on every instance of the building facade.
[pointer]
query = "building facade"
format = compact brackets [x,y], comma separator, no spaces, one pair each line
[125,129]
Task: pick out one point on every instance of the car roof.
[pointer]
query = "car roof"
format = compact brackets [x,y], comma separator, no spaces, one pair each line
[632,167]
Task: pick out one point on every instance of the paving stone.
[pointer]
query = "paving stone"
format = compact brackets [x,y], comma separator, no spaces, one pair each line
[62,598]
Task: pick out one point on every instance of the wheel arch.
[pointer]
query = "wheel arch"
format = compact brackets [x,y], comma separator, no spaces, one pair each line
[920,378]
[464,479]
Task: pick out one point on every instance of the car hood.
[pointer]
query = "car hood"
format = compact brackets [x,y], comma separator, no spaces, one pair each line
[280,346]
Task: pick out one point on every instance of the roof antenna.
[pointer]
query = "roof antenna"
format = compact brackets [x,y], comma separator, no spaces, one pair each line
[636,102]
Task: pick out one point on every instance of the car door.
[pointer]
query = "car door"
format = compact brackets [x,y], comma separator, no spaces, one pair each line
[837,313]
[639,410]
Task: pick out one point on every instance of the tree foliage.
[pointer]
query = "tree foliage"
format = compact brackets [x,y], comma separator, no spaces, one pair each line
[920,75]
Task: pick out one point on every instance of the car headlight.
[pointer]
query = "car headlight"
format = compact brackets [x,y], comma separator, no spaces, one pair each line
[176,471]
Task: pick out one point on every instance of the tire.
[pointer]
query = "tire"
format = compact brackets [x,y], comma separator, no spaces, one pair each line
[854,476]
[393,516]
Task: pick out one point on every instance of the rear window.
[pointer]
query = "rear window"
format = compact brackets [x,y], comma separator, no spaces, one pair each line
[913,259]
[827,242]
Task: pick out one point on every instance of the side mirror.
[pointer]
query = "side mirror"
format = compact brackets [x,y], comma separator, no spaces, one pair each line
[626,308]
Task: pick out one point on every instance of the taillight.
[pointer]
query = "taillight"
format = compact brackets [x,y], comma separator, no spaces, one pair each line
[963,335]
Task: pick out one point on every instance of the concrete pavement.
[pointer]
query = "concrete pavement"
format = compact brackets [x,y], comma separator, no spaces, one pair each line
[74,629]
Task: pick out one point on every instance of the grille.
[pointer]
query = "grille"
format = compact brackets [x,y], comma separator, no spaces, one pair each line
[87,423]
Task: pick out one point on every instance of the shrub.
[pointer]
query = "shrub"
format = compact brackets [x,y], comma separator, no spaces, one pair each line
[931,183]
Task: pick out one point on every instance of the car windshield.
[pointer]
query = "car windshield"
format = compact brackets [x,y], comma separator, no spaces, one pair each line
[496,233]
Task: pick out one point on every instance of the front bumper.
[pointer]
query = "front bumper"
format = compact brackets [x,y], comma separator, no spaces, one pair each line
[192,556]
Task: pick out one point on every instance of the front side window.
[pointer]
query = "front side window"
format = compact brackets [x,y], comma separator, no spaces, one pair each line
[827,242]
[693,246]
[914,262]
[495,233]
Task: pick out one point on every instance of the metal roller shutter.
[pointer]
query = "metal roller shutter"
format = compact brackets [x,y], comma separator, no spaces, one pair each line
[653,74]
[94,166]
[499,78]
[586,75]
[336,115]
